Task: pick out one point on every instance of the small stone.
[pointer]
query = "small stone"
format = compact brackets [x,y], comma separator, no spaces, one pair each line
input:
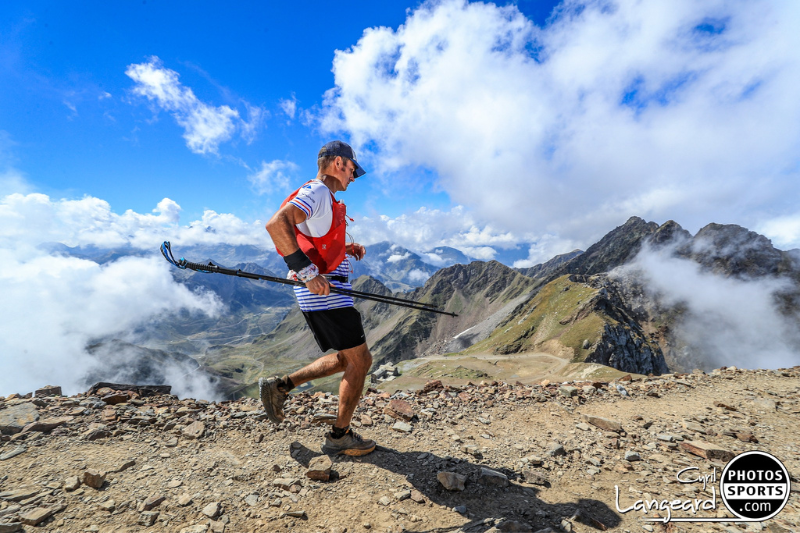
[451,480]
[284,483]
[493,477]
[366,420]
[197,528]
[212,510]
[402,495]
[116,397]
[152,502]
[47,391]
[107,505]
[568,391]
[16,417]
[632,456]
[195,430]
[556,449]
[295,514]
[184,500]
[319,468]
[36,516]
[171,443]
[534,478]
[47,425]
[18,495]
[583,426]
[96,434]
[384,500]
[13,453]
[71,483]
[10,527]
[460,509]
[399,409]
[251,500]
[471,449]
[706,450]
[147,518]
[402,427]
[174,484]
[417,496]
[603,423]
[94,478]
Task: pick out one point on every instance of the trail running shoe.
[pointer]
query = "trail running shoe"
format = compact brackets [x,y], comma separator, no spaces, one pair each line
[350,444]
[272,398]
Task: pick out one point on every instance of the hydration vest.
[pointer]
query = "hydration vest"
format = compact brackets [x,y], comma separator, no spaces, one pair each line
[327,252]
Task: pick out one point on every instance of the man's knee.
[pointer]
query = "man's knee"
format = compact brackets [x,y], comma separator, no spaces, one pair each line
[359,357]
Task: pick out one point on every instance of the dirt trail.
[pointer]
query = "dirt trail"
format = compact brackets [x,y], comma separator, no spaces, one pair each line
[532,458]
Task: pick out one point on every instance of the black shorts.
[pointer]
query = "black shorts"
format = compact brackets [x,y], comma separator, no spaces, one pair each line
[337,329]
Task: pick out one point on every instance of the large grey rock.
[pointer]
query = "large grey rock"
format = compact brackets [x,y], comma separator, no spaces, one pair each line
[16,417]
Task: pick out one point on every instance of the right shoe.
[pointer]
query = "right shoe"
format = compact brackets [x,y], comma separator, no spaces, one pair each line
[350,444]
[273,398]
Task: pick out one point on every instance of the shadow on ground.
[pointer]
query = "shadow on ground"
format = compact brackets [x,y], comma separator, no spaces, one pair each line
[513,508]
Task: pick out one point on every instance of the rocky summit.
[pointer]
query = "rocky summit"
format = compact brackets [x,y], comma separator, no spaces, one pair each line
[481,457]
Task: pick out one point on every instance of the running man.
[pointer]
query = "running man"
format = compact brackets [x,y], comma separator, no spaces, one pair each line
[309,232]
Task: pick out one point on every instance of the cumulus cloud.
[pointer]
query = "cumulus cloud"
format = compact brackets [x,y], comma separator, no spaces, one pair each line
[274,176]
[678,110]
[426,229]
[29,219]
[205,126]
[726,321]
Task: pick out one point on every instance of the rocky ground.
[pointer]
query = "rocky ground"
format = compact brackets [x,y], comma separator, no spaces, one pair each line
[470,458]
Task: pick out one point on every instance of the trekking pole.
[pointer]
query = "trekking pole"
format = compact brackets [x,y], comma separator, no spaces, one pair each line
[211,268]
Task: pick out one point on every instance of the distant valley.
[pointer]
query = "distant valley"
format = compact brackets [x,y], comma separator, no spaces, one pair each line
[594,309]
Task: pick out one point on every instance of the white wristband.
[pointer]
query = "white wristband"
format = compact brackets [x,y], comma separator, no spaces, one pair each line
[308,273]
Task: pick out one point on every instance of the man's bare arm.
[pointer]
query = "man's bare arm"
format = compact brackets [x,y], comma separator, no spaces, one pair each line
[281,228]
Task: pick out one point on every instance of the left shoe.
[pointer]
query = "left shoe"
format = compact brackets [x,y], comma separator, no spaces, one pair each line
[272,398]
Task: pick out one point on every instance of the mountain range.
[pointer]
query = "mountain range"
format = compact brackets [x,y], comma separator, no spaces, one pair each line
[587,308]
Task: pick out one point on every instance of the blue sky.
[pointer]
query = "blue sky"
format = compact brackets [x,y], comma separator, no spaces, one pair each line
[487,127]
[510,131]
[74,127]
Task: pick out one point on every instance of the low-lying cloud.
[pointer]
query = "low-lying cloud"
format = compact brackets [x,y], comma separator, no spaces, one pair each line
[57,305]
[726,321]
[675,109]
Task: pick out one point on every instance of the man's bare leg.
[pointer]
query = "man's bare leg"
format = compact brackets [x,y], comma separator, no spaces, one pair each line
[358,362]
[325,366]
[355,363]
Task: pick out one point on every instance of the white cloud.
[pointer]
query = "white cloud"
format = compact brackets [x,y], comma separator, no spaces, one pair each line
[57,305]
[417,275]
[672,109]
[61,304]
[784,231]
[289,106]
[394,258]
[28,220]
[425,229]
[273,177]
[205,126]
[726,321]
